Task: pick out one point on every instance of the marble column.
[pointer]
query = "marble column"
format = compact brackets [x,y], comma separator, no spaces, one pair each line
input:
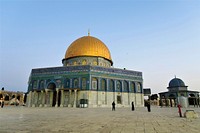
[42,97]
[29,97]
[34,98]
[62,98]
[129,86]
[122,93]
[57,91]
[75,91]
[46,98]
[69,100]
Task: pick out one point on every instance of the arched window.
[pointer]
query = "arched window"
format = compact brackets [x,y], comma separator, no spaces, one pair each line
[84,83]
[74,63]
[132,87]
[94,84]
[34,84]
[41,84]
[76,83]
[126,89]
[103,85]
[119,86]
[51,86]
[84,62]
[111,85]
[94,63]
[138,87]
[67,83]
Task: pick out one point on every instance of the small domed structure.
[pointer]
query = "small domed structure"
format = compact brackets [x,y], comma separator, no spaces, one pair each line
[178,94]
[176,82]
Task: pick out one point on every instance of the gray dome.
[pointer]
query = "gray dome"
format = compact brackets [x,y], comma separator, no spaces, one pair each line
[176,82]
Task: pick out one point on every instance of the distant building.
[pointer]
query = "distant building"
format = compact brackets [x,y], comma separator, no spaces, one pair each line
[11,97]
[176,90]
[147,92]
[86,79]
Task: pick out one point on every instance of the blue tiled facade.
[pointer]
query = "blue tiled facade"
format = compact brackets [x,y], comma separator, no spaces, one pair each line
[69,77]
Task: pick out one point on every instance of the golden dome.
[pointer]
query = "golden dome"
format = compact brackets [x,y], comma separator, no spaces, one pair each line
[88,46]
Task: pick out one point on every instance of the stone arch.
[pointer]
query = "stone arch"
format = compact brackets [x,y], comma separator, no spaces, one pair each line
[172,100]
[52,87]
[191,95]
[7,98]
[192,99]
[18,97]
[13,96]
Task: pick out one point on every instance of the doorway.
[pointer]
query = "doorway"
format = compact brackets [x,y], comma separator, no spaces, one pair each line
[52,87]
[119,100]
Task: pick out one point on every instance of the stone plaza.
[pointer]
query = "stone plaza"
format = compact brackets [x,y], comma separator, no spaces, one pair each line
[96,120]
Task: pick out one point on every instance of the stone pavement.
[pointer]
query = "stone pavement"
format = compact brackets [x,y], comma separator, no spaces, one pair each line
[95,120]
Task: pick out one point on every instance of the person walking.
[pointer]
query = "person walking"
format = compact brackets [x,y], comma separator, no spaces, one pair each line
[113,106]
[2,103]
[132,104]
[148,106]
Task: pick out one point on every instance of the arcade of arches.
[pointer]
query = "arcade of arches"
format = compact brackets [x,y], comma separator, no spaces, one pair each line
[102,93]
[12,98]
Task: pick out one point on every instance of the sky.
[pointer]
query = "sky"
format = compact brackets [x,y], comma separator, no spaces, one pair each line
[160,38]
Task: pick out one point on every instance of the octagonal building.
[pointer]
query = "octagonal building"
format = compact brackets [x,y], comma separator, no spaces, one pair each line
[86,79]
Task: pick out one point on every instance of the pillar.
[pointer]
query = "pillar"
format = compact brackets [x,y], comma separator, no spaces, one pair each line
[62,98]
[98,92]
[57,91]
[34,98]
[46,98]
[161,101]
[115,87]
[106,92]
[69,103]
[122,93]
[75,91]
[129,87]
[29,99]
[42,97]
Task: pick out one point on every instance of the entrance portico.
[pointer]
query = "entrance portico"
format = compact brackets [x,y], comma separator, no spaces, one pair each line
[53,98]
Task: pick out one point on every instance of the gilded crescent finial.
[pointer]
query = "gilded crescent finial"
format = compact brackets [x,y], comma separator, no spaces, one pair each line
[88,32]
